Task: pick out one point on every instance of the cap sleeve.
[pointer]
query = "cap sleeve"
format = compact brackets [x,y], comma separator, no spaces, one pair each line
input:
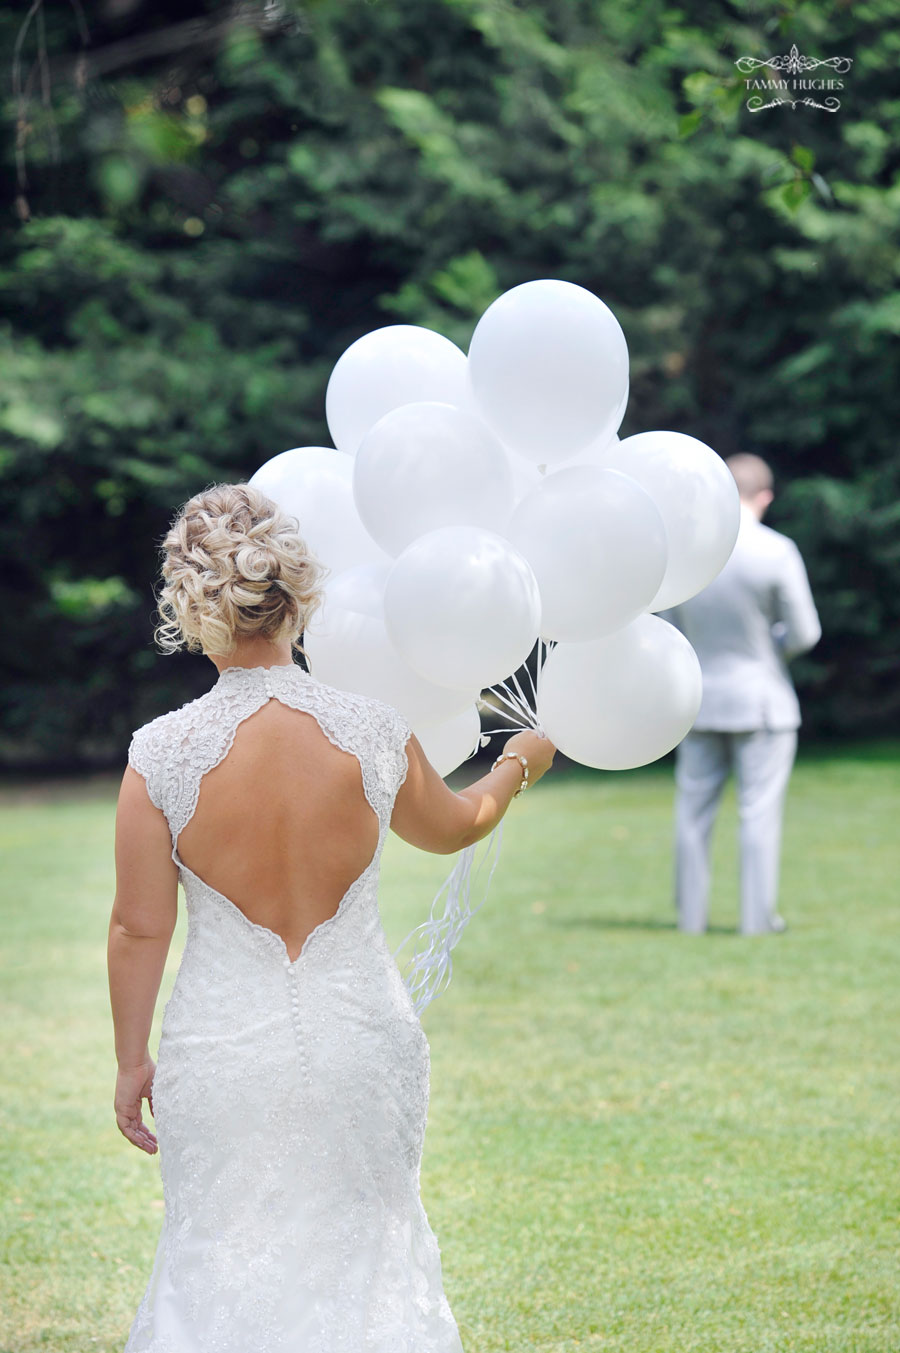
[142,759]
[403,733]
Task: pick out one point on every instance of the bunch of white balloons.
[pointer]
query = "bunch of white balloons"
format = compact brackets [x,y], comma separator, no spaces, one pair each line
[472,505]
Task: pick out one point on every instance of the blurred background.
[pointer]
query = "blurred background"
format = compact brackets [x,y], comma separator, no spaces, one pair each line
[210,201]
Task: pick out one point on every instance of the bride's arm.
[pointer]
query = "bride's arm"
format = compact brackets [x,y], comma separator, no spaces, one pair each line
[428,814]
[140,932]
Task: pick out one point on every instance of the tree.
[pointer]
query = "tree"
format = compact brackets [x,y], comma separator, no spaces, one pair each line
[222,202]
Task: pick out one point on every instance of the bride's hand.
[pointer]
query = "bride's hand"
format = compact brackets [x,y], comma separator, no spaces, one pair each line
[538,752]
[134,1084]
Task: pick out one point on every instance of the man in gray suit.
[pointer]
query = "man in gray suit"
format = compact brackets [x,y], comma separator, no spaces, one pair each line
[744,626]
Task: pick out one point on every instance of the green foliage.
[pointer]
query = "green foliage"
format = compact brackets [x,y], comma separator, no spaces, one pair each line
[638,1141]
[218,224]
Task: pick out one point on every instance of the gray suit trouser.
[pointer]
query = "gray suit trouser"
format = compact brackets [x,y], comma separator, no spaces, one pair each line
[762,763]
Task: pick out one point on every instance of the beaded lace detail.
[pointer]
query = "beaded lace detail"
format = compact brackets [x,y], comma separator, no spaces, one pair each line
[175,751]
[290,1098]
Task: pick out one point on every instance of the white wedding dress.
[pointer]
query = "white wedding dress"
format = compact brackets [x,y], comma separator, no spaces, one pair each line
[290,1097]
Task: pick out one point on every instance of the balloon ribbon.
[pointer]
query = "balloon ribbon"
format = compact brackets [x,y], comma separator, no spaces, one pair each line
[427,972]
[513,702]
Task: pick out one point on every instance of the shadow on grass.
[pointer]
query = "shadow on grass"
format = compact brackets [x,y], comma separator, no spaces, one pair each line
[630,923]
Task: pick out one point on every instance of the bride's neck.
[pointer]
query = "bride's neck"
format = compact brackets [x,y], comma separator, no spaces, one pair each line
[254,653]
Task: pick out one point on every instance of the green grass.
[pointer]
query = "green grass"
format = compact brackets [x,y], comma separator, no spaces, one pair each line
[638,1141]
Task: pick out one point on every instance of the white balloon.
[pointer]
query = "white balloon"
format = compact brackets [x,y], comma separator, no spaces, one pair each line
[596,453]
[315,485]
[621,701]
[619,415]
[526,475]
[448,744]
[597,544]
[428,465]
[348,647]
[462,606]
[548,367]
[698,498]
[399,364]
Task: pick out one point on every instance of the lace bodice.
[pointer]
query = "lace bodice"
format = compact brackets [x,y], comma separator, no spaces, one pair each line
[175,751]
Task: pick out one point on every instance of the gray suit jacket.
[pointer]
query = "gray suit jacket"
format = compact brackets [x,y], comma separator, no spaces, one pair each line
[744,626]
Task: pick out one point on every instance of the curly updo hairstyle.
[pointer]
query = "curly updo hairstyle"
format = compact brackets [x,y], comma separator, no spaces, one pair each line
[234,567]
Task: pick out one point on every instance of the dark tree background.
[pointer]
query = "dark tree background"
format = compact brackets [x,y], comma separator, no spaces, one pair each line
[210,201]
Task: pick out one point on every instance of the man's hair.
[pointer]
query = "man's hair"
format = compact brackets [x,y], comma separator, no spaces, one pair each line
[751,474]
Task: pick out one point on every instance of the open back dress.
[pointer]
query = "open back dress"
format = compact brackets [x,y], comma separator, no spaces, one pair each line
[290,1097]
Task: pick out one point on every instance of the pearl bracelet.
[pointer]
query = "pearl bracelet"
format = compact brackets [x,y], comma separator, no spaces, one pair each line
[523,761]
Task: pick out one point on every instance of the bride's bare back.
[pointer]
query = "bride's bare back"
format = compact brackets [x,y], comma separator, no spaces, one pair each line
[282,826]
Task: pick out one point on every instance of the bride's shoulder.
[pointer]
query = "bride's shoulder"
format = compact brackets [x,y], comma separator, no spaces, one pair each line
[365,712]
[153,739]
[375,732]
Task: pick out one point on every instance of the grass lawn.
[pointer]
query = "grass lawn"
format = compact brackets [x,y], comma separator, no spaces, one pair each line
[639,1141]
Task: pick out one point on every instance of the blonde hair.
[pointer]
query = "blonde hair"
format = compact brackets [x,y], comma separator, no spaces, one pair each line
[234,566]
[751,474]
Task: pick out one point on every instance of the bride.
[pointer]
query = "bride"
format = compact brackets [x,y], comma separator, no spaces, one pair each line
[290,1095]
